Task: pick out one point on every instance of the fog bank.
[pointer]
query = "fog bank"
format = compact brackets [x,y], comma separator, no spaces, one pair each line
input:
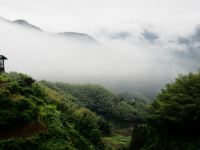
[142,60]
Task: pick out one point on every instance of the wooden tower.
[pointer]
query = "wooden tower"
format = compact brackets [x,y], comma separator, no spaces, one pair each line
[2,64]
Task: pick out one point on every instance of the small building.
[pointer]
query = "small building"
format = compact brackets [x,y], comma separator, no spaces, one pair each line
[2,64]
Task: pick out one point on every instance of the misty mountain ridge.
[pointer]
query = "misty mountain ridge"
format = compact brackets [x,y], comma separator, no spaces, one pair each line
[24,23]
[81,37]
[78,36]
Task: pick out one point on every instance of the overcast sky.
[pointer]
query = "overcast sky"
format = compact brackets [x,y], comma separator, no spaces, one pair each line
[91,16]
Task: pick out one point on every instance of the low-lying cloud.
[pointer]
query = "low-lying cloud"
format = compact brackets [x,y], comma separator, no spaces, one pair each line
[142,60]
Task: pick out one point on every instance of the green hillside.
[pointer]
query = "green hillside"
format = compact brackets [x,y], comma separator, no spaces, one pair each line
[174,120]
[102,101]
[35,117]
[57,116]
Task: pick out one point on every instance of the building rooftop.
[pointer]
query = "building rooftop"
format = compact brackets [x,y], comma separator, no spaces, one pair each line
[2,57]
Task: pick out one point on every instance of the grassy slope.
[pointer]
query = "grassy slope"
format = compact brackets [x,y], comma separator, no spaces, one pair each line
[117,141]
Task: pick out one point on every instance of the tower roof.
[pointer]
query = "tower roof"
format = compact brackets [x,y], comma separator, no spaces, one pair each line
[2,57]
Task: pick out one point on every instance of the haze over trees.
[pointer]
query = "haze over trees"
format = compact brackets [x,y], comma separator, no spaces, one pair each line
[99,75]
[58,116]
[174,119]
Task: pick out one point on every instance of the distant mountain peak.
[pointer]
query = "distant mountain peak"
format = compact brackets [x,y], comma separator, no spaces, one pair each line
[80,36]
[26,24]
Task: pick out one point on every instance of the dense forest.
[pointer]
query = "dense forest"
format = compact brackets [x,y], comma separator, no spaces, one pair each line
[44,115]
[122,107]
[174,118]
[58,116]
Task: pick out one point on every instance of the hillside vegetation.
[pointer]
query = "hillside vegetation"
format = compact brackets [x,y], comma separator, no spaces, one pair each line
[35,117]
[121,107]
[58,116]
[174,120]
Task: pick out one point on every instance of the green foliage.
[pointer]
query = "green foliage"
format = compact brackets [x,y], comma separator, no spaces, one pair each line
[16,109]
[57,116]
[140,135]
[59,122]
[30,143]
[175,118]
[177,107]
[104,126]
[86,124]
[101,101]
[116,142]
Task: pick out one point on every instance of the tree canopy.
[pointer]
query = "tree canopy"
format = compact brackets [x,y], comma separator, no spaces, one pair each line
[174,118]
[177,107]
